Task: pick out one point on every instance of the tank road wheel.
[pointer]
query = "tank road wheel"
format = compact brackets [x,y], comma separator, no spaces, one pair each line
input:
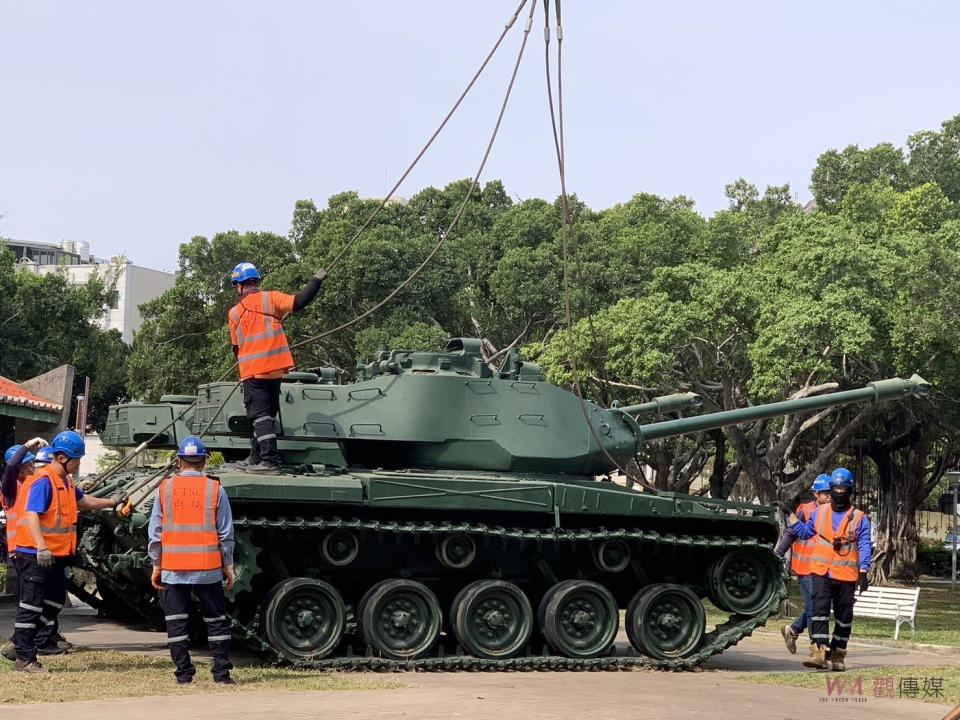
[339,548]
[579,618]
[492,619]
[456,551]
[304,618]
[665,621]
[742,581]
[401,618]
[611,556]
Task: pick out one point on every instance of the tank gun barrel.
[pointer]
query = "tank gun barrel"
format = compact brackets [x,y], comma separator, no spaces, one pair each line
[664,403]
[878,391]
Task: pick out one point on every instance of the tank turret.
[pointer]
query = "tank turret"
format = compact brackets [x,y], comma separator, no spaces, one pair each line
[450,410]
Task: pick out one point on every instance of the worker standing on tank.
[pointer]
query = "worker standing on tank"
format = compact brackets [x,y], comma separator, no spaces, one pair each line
[263,354]
[800,561]
[839,563]
[191,547]
[47,541]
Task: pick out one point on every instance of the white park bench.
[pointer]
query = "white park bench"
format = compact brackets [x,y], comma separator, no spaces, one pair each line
[889,603]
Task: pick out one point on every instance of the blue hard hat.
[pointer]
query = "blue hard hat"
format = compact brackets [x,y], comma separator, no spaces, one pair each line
[191,448]
[44,456]
[12,450]
[822,483]
[69,443]
[243,272]
[841,477]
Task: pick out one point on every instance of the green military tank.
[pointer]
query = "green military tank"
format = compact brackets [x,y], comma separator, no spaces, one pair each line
[438,514]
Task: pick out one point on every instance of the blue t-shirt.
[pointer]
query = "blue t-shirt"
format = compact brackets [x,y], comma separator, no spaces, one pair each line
[38,501]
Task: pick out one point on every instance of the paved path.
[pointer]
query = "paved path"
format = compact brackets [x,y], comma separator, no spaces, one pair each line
[531,696]
[717,693]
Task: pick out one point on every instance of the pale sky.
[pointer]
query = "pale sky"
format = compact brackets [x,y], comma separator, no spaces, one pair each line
[134,126]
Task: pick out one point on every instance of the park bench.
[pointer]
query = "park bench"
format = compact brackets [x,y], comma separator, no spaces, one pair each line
[889,603]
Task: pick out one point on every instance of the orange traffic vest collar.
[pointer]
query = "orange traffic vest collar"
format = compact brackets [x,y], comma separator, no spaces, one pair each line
[843,562]
[189,540]
[59,523]
[262,346]
[801,549]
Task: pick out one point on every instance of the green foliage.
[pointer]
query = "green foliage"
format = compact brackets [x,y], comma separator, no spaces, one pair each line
[47,322]
[935,558]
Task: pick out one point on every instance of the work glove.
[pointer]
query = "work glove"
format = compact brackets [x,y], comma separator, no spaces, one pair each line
[45,558]
[119,498]
[862,582]
[778,554]
[155,579]
[321,274]
[229,577]
[36,443]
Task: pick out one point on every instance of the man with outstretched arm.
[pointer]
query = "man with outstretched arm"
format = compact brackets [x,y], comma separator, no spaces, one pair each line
[263,354]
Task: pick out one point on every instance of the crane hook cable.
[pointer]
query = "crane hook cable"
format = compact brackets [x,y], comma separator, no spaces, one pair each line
[567,231]
[143,446]
[443,238]
[383,203]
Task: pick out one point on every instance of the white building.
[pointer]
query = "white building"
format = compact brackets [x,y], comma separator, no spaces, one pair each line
[135,285]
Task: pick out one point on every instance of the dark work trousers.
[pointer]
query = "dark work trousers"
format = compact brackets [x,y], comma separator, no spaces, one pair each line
[261,400]
[177,603]
[43,592]
[828,593]
[803,622]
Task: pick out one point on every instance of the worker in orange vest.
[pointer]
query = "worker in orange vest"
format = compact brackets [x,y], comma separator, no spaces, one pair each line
[191,547]
[263,354]
[800,561]
[47,541]
[839,562]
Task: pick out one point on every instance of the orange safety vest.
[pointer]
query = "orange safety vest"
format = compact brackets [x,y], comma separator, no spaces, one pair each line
[261,342]
[843,565]
[189,540]
[14,513]
[59,523]
[801,549]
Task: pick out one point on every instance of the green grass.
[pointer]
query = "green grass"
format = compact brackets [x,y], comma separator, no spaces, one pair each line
[874,680]
[3,576]
[100,675]
[938,618]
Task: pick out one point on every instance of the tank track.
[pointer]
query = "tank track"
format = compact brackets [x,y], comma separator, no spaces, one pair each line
[716,641]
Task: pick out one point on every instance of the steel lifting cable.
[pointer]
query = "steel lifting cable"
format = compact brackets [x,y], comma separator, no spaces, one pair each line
[567,228]
[442,240]
[383,203]
[463,204]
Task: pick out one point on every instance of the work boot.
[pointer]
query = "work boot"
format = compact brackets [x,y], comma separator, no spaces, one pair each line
[54,648]
[9,651]
[789,638]
[246,462]
[837,657]
[226,681]
[818,658]
[29,666]
[263,468]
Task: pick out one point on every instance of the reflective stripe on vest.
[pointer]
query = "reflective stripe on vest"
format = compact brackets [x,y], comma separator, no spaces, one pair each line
[261,341]
[801,549]
[845,564]
[189,540]
[59,523]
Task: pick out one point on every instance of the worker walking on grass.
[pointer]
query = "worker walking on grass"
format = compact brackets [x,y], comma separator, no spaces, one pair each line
[47,506]
[191,548]
[839,563]
[800,561]
[263,355]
